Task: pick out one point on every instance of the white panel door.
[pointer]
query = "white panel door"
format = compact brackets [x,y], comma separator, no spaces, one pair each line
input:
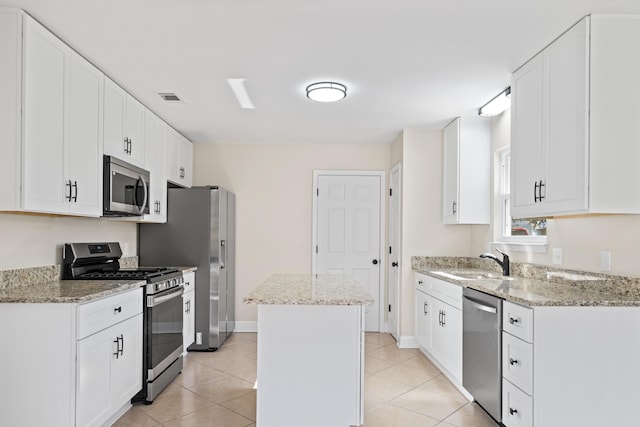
[348,233]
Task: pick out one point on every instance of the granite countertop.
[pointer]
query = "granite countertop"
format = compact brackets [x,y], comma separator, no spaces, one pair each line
[42,285]
[66,291]
[307,289]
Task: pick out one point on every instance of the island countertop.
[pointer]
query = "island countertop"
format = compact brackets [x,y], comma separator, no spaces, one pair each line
[309,289]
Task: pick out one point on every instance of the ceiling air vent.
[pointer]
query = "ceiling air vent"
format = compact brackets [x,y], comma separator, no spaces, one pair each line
[172,97]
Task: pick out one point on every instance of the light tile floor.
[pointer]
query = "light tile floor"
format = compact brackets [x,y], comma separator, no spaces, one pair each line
[402,389]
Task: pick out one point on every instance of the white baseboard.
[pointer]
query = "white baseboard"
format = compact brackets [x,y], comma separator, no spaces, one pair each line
[244,326]
[407,342]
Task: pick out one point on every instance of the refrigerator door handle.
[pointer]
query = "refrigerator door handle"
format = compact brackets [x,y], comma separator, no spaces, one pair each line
[223,254]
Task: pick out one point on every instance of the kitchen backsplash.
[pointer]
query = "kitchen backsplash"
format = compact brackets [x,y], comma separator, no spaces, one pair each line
[620,285]
[46,274]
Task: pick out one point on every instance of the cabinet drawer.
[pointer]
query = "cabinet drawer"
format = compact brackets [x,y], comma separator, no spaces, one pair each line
[518,321]
[446,292]
[422,282]
[189,281]
[98,315]
[517,406]
[517,362]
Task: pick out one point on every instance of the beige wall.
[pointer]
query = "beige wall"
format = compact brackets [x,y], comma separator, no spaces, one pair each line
[581,238]
[273,186]
[36,240]
[423,233]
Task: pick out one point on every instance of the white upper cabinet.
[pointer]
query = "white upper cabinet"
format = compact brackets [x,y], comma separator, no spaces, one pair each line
[123,125]
[54,163]
[573,146]
[155,162]
[180,161]
[466,171]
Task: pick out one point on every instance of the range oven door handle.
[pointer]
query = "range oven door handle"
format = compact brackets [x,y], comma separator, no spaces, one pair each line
[153,300]
[480,306]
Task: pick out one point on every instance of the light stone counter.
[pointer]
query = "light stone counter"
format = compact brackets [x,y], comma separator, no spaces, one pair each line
[535,285]
[307,289]
[67,291]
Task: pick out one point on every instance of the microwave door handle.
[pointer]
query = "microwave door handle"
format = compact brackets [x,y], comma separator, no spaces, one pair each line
[146,194]
[135,194]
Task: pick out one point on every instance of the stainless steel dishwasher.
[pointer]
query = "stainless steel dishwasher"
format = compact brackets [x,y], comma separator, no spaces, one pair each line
[482,350]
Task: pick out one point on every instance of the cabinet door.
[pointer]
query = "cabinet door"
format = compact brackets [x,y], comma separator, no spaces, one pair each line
[186,160]
[134,125]
[566,64]
[93,388]
[43,138]
[83,134]
[453,327]
[437,330]
[155,163]
[126,371]
[189,327]
[422,320]
[450,173]
[114,120]
[173,155]
[527,153]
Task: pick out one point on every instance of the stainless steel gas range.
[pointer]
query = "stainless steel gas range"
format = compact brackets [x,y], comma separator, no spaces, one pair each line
[163,310]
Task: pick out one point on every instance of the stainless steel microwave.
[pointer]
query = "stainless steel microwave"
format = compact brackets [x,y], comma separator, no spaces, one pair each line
[125,189]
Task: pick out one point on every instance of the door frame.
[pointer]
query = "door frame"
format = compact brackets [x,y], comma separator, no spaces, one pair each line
[398,249]
[381,256]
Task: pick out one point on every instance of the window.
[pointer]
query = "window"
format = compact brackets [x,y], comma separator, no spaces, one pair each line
[516,230]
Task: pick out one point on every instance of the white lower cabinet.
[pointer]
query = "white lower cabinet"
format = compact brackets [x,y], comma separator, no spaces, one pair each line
[109,371]
[189,299]
[439,323]
[81,362]
[570,366]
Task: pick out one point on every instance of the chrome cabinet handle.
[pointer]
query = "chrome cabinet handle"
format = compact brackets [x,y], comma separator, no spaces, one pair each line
[68,184]
[513,411]
[513,321]
[455,206]
[182,172]
[75,193]
[513,361]
[424,308]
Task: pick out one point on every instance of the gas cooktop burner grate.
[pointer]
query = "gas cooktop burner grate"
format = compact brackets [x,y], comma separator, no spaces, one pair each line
[142,273]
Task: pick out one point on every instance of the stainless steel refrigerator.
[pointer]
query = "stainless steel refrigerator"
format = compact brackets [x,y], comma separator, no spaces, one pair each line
[200,232]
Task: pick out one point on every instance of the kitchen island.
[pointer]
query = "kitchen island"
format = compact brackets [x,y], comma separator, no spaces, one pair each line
[310,350]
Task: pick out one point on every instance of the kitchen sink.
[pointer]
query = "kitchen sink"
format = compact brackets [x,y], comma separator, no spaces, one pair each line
[472,275]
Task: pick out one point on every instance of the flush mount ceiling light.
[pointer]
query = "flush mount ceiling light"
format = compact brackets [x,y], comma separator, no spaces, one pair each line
[497,105]
[326,91]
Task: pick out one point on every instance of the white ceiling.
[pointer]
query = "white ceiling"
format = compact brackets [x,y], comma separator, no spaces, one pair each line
[407,63]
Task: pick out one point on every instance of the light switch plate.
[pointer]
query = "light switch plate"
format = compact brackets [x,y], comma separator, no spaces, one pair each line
[605,261]
[557,256]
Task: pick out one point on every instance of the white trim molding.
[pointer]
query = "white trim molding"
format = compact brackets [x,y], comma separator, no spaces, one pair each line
[246,326]
[407,342]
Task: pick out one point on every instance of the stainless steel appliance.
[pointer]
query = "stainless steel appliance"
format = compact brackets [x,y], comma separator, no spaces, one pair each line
[125,188]
[200,232]
[162,314]
[482,350]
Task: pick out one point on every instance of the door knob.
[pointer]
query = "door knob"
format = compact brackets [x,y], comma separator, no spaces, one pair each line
[394,264]
[375,261]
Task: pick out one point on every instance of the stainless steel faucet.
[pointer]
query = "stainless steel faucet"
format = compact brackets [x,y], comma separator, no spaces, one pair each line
[504,263]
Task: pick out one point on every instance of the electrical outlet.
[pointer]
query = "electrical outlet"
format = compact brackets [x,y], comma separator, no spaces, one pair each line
[199,338]
[605,260]
[557,256]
